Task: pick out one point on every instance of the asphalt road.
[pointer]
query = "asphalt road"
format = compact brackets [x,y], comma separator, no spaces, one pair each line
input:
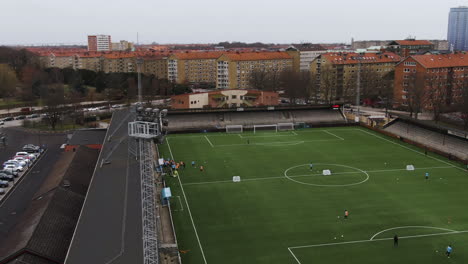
[19,199]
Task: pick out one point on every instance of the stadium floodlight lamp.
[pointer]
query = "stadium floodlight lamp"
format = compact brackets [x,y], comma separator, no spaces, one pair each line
[164,112]
[139,110]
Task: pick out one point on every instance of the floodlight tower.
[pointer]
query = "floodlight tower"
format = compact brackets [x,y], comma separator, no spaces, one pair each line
[147,127]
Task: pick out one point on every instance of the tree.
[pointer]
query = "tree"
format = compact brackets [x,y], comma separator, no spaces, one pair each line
[436,97]
[462,104]
[54,101]
[8,81]
[327,83]
[415,95]
[295,85]
[258,79]
[386,91]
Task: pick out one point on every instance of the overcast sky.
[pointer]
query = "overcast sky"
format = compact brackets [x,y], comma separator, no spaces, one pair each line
[212,21]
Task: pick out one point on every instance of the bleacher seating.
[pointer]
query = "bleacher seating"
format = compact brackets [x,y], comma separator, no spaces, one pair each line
[248,119]
[445,143]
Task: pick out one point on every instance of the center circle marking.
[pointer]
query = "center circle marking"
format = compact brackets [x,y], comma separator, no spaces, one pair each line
[289,177]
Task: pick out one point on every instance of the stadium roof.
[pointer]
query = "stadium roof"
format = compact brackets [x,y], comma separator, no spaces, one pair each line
[109,229]
[87,137]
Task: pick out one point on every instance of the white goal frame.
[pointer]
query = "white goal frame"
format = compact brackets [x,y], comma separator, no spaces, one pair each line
[275,126]
[234,129]
[285,126]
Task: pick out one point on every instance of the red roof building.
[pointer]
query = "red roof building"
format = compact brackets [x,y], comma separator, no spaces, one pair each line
[431,82]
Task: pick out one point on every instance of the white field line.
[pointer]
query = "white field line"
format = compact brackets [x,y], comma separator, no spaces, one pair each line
[421,153]
[294,256]
[240,135]
[209,141]
[267,136]
[326,131]
[378,239]
[295,133]
[315,174]
[279,142]
[406,227]
[188,207]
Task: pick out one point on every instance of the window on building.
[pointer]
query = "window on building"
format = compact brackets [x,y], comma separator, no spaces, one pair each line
[233,96]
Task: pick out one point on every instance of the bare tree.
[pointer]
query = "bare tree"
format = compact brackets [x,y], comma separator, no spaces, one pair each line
[436,97]
[295,85]
[258,79]
[416,92]
[327,83]
[462,104]
[54,101]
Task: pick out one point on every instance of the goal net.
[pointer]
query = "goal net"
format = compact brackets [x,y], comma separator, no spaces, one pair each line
[234,129]
[285,126]
[270,128]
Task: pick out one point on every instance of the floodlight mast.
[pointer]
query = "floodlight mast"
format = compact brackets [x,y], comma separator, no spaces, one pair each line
[139,64]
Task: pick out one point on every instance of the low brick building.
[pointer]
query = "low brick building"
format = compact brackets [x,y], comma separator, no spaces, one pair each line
[225,99]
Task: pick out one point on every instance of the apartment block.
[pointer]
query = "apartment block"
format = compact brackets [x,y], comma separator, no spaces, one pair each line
[428,78]
[155,64]
[225,99]
[307,54]
[119,62]
[99,43]
[336,74]
[234,70]
[193,67]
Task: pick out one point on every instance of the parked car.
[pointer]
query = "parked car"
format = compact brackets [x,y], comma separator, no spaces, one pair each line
[2,122]
[25,154]
[6,177]
[12,168]
[31,148]
[14,173]
[20,117]
[2,191]
[3,183]
[10,118]
[15,162]
[22,161]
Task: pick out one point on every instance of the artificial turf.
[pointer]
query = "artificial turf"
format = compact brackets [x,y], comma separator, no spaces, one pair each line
[283,211]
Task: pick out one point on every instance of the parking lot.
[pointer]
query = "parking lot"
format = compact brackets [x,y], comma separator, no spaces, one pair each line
[19,197]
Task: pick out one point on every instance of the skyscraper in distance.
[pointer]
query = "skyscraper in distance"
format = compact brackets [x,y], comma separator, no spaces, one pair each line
[458,28]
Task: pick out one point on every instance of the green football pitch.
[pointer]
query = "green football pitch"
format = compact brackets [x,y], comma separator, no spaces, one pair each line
[283,211]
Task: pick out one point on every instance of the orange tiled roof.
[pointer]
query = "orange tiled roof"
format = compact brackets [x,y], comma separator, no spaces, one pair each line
[354,58]
[413,42]
[442,61]
[247,56]
[119,55]
[198,55]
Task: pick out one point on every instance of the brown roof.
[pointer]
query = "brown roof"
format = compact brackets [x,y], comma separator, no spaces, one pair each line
[247,56]
[413,42]
[442,61]
[354,58]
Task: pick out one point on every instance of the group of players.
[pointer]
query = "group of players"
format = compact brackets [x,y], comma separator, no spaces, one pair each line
[173,167]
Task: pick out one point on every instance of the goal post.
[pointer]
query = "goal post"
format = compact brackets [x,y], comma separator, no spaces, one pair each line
[234,129]
[285,126]
[271,128]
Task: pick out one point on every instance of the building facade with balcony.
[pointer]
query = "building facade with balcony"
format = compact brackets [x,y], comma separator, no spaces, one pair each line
[235,69]
[336,74]
[193,67]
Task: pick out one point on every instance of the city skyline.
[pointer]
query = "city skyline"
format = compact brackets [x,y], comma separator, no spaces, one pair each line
[206,21]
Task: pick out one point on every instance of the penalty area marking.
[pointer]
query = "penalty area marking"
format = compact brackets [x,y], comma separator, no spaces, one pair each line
[326,131]
[407,227]
[290,249]
[211,144]
[327,185]
[181,204]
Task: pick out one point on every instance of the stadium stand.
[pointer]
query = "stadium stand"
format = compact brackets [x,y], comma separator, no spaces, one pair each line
[210,120]
[43,232]
[445,143]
